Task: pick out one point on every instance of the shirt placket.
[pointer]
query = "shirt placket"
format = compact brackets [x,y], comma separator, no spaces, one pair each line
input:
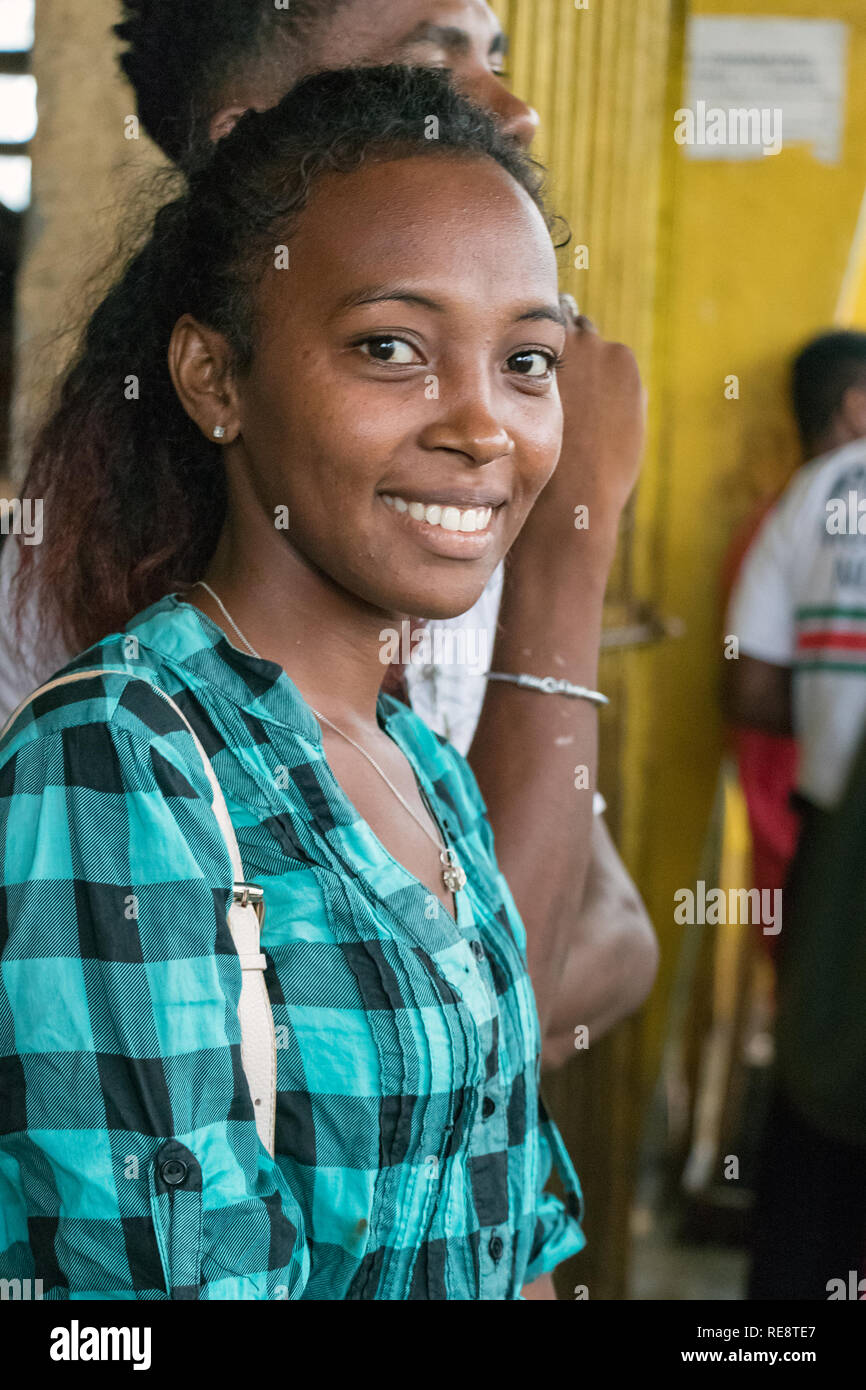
[489,1135]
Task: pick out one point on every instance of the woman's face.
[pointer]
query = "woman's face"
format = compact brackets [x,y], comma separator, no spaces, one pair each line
[402,401]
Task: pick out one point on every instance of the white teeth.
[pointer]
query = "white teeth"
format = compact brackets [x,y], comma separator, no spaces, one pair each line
[468,520]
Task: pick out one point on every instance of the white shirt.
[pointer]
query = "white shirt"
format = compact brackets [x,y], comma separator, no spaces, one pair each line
[800,601]
[448,689]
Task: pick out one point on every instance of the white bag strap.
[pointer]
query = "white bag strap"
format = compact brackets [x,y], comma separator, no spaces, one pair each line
[258,1038]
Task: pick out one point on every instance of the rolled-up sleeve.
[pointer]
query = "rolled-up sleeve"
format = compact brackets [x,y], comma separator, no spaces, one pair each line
[761,608]
[130,1165]
[558,1230]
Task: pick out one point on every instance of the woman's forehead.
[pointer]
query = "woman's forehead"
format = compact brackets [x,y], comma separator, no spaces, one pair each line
[447,222]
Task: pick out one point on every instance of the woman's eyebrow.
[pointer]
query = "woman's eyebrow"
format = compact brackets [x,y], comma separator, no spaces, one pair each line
[546,312]
[373,294]
[395,294]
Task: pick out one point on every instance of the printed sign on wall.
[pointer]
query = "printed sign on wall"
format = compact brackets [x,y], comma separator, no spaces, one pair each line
[757,86]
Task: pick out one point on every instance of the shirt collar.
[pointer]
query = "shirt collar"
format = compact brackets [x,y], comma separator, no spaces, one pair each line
[187,638]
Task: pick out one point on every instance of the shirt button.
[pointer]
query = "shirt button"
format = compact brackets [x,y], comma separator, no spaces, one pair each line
[496,1247]
[173,1172]
[477,950]
[487,1108]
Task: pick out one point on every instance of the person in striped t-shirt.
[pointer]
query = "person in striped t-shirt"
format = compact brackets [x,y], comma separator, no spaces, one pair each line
[799,607]
[799,614]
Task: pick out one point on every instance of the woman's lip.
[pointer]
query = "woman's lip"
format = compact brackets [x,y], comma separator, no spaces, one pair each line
[464,501]
[453,545]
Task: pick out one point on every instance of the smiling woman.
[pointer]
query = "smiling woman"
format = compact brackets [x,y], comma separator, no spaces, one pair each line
[411,1149]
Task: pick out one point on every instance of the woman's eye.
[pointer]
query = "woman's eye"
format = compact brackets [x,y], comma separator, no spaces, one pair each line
[395,351]
[533,363]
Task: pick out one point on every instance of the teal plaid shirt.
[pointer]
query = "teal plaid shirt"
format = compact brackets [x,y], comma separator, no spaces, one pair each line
[412,1147]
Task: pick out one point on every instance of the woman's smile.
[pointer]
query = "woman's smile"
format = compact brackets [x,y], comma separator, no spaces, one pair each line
[447,527]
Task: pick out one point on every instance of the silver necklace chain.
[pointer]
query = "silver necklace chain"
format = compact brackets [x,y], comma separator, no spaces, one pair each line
[453,875]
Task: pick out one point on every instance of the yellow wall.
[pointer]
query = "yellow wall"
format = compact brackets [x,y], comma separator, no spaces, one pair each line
[758,253]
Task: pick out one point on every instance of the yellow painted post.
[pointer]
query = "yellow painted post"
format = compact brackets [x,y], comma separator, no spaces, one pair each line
[598,76]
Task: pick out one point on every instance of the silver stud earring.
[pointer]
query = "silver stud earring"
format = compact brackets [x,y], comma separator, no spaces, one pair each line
[219,431]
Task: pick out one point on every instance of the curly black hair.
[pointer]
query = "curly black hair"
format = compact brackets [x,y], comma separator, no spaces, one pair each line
[180,53]
[134,494]
[821,373]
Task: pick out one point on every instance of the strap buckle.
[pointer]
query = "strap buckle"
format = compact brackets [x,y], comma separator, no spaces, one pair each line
[250,895]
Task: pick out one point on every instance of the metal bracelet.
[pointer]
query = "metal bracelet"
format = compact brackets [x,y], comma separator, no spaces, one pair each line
[549,685]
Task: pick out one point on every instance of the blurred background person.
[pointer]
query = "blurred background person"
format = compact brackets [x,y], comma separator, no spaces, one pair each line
[797,611]
[799,617]
[809,1223]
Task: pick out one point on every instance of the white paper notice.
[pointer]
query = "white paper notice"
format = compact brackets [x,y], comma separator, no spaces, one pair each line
[756,86]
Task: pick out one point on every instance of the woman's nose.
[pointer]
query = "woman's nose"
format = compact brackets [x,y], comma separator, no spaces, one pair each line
[470,432]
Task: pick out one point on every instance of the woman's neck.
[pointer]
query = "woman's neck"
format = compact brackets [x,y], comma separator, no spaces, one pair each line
[327,640]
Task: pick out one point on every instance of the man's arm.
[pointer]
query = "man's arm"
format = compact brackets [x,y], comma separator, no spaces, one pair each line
[757,694]
[756,683]
[613,959]
[528,745]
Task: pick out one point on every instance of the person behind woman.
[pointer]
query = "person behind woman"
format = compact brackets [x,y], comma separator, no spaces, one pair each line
[250,477]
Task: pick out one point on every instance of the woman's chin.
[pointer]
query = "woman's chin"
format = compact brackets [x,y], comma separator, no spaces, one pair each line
[441,607]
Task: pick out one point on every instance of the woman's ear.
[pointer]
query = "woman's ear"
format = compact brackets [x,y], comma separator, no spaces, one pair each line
[199,361]
[225,120]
